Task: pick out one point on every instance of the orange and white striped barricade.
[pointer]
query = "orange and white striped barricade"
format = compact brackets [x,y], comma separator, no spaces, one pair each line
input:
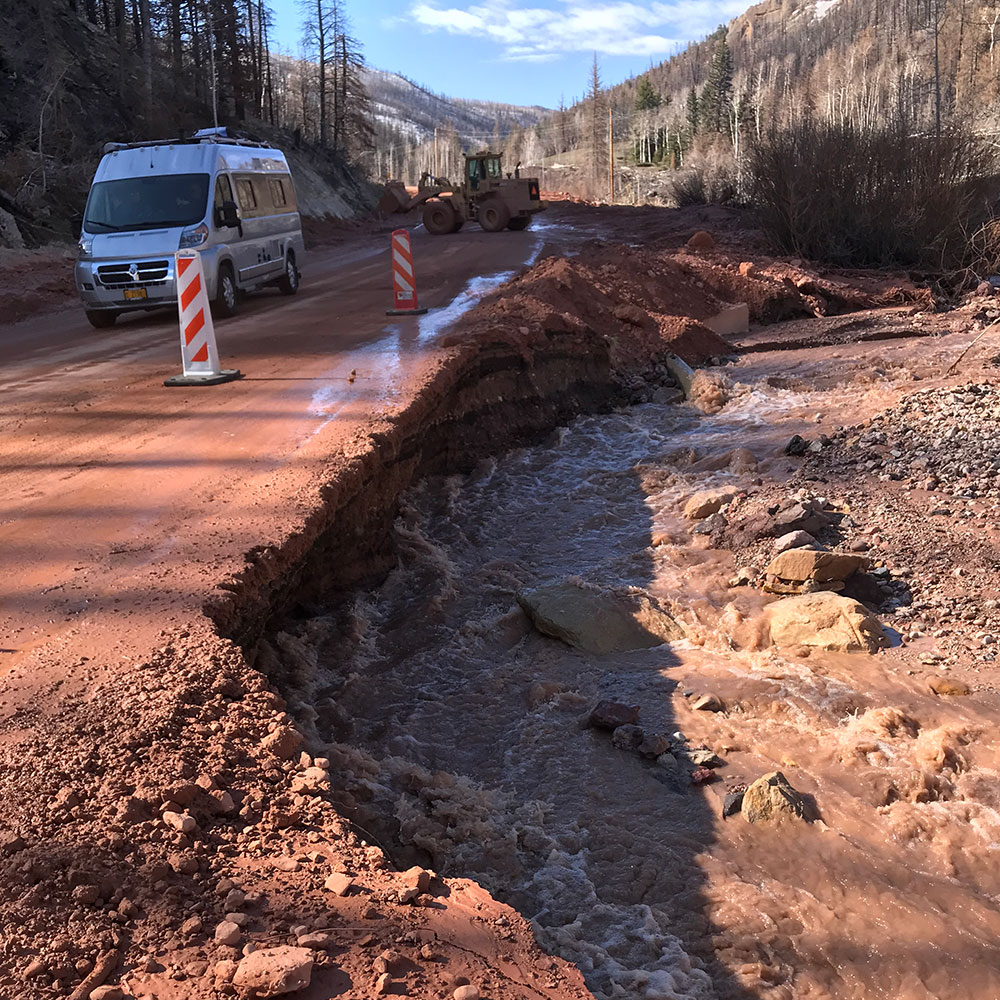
[199,355]
[404,281]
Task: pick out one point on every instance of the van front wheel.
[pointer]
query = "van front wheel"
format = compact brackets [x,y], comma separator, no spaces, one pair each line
[101,319]
[289,282]
[227,300]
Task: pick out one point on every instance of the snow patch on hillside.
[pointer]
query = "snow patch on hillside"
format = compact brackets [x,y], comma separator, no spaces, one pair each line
[823,7]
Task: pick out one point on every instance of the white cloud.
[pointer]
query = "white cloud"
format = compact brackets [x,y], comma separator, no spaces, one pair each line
[611,27]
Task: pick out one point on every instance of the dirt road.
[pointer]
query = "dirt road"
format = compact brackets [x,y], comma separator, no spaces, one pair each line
[123,499]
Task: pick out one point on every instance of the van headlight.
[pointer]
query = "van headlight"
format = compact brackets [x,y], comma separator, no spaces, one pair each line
[85,247]
[193,237]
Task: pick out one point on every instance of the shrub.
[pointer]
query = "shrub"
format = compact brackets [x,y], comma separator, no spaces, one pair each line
[866,197]
[708,176]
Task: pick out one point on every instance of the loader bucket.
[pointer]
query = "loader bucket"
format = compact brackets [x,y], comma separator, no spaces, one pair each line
[394,199]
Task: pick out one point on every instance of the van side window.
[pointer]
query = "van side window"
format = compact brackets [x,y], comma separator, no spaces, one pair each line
[248,197]
[278,198]
[223,193]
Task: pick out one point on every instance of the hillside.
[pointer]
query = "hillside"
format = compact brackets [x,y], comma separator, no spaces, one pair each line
[916,64]
[858,60]
[414,112]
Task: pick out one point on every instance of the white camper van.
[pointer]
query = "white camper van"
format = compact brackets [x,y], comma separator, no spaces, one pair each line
[231,199]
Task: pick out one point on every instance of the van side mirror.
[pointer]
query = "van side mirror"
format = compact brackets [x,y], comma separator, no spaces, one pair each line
[229,217]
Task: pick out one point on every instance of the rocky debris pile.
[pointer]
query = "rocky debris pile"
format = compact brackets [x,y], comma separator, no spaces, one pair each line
[799,566]
[597,620]
[925,475]
[793,544]
[677,764]
[941,440]
[778,517]
[186,845]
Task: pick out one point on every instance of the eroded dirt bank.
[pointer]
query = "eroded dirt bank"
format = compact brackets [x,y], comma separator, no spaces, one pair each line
[142,788]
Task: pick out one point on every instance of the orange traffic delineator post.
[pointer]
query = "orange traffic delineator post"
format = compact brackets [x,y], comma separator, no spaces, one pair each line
[404,282]
[199,355]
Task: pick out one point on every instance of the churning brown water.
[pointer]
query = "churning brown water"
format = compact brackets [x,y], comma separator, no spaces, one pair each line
[456,729]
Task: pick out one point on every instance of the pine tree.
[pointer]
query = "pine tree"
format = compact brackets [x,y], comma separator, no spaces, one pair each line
[646,98]
[718,90]
[693,111]
[598,142]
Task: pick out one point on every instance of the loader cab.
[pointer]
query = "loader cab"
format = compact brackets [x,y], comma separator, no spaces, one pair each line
[483,170]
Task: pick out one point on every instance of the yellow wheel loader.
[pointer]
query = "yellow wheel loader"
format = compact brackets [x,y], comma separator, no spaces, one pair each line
[485,196]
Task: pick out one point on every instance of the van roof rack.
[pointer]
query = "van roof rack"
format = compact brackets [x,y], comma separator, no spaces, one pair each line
[205,135]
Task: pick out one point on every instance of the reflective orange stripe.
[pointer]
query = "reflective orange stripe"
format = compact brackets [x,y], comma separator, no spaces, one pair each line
[191,291]
[194,327]
[183,263]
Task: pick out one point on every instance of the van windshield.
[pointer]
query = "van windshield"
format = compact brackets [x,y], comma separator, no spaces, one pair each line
[147,203]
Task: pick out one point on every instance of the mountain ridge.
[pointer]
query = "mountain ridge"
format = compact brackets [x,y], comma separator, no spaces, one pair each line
[413,111]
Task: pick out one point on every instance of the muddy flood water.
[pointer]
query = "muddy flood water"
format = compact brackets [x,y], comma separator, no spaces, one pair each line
[457,730]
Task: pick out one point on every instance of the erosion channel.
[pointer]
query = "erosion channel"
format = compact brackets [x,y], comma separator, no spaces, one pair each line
[458,736]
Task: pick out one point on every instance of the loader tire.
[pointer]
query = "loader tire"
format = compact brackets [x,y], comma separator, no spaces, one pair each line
[459,222]
[439,218]
[520,223]
[494,216]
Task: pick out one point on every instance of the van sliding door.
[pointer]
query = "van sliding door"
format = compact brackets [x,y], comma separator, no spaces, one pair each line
[263,252]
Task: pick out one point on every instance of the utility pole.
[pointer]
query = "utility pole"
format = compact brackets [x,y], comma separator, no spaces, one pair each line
[611,155]
[435,151]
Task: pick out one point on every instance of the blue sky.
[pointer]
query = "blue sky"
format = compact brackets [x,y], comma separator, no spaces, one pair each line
[519,51]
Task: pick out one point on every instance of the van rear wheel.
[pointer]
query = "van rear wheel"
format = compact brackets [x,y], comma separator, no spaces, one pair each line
[101,319]
[289,283]
[227,299]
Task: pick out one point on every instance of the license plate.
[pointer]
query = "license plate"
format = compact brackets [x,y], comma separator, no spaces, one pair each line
[135,293]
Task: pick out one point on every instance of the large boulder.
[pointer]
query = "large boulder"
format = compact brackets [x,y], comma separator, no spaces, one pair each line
[701,242]
[826,621]
[272,972]
[771,799]
[613,715]
[813,564]
[795,540]
[598,621]
[731,321]
[806,570]
[708,502]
